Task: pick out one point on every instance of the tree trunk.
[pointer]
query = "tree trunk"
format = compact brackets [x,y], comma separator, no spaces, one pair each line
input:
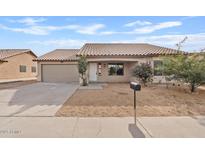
[167,86]
[144,83]
[192,87]
[84,80]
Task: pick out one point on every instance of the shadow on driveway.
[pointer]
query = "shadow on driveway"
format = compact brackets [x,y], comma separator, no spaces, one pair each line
[38,99]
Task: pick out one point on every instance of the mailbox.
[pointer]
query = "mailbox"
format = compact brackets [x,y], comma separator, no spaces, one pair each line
[135,86]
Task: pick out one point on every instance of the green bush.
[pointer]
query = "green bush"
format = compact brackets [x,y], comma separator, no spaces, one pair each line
[186,68]
[143,72]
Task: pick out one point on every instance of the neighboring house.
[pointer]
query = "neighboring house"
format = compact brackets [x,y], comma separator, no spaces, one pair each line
[108,62]
[17,64]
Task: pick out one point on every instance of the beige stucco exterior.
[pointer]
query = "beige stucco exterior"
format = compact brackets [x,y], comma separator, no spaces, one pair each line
[105,77]
[11,68]
[129,63]
[49,71]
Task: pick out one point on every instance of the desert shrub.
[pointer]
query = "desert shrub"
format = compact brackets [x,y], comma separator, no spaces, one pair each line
[186,68]
[143,72]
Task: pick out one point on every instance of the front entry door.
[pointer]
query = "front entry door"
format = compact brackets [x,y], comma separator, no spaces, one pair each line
[93,72]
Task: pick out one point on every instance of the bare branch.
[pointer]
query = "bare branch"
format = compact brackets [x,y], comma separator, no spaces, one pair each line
[179,45]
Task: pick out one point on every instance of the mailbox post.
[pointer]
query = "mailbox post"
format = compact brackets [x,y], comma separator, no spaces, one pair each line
[136,87]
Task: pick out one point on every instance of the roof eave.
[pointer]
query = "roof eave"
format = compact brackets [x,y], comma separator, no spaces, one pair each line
[127,55]
[32,53]
[54,60]
[26,51]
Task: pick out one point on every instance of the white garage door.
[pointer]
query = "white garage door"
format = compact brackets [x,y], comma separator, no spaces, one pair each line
[60,73]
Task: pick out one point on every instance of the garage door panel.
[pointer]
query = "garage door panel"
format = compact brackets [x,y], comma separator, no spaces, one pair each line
[60,73]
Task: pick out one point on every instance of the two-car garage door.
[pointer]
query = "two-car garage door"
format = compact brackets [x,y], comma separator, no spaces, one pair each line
[59,73]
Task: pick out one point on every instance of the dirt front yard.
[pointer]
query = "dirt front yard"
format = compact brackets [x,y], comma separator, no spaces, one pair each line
[117,100]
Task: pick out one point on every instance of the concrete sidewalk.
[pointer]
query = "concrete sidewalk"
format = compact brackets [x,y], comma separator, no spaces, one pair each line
[174,127]
[102,127]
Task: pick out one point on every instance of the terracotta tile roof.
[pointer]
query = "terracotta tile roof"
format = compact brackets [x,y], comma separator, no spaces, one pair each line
[6,53]
[124,49]
[59,55]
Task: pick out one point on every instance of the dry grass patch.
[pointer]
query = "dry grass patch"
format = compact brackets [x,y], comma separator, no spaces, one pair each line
[117,100]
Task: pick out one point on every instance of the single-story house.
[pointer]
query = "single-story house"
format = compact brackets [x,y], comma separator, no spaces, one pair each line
[17,64]
[108,62]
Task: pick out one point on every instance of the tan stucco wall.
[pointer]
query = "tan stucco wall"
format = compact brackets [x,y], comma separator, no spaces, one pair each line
[104,77]
[39,75]
[11,69]
[129,64]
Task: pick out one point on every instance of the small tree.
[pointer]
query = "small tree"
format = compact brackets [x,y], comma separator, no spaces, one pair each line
[82,68]
[168,70]
[187,68]
[143,72]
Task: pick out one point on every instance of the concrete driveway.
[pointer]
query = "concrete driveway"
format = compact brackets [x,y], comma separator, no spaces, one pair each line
[38,99]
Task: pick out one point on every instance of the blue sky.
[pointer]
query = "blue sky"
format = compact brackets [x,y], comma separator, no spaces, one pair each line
[43,34]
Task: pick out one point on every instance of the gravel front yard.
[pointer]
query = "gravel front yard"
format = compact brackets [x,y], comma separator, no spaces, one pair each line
[117,100]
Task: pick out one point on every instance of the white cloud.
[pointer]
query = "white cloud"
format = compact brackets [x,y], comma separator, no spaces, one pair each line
[34,30]
[194,41]
[108,33]
[90,30]
[29,21]
[152,28]
[2,26]
[61,43]
[31,26]
[45,30]
[188,17]
[145,29]
[138,22]
[173,39]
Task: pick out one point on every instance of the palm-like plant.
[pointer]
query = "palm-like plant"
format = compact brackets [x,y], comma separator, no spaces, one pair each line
[82,68]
